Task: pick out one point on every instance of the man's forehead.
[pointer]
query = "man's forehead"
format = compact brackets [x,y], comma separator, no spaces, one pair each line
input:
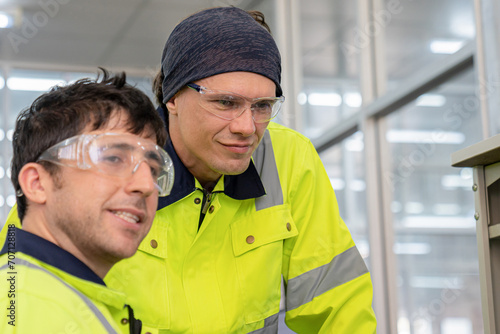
[119,122]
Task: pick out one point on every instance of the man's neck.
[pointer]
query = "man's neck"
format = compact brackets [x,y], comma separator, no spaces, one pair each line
[100,268]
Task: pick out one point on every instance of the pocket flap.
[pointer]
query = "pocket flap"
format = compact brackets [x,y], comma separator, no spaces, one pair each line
[155,242]
[261,228]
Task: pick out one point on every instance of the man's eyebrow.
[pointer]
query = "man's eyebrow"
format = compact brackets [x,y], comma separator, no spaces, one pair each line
[153,155]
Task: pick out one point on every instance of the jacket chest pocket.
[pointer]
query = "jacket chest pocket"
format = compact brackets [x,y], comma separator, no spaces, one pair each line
[257,243]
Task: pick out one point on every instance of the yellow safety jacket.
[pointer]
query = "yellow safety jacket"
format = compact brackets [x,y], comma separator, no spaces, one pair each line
[214,263]
[44,289]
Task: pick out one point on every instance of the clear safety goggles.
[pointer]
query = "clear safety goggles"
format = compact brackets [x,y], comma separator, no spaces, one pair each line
[114,154]
[229,106]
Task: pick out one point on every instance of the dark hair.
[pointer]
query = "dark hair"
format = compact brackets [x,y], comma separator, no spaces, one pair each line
[159,77]
[67,111]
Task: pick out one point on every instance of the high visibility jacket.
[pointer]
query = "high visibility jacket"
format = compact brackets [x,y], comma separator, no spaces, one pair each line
[214,263]
[44,289]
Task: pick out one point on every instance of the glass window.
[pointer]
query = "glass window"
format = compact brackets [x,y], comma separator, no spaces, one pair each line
[344,164]
[491,44]
[433,209]
[420,32]
[331,90]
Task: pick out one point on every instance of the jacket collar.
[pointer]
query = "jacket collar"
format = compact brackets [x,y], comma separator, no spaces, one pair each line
[51,254]
[243,186]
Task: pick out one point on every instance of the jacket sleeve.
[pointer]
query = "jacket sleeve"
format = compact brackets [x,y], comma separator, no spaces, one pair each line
[327,284]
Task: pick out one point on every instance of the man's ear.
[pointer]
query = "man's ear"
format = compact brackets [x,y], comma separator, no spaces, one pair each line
[33,180]
[172,104]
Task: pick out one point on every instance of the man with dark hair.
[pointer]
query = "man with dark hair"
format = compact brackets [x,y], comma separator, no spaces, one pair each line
[251,202]
[88,167]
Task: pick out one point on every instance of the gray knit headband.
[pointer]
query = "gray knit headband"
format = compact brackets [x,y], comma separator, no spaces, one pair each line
[214,41]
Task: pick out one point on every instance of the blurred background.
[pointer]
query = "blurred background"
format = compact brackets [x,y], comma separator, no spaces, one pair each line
[387,90]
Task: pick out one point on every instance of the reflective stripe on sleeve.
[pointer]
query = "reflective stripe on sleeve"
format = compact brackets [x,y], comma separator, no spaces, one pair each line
[85,299]
[343,268]
[270,326]
[265,164]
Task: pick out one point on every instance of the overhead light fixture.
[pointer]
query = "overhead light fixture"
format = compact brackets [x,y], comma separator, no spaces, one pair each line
[445,46]
[6,20]
[411,248]
[353,99]
[325,99]
[11,200]
[302,98]
[452,181]
[357,185]
[431,100]
[424,136]
[10,134]
[11,17]
[436,282]
[414,207]
[354,145]
[33,84]
[446,209]
[2,82]
[439,222]
[337,184]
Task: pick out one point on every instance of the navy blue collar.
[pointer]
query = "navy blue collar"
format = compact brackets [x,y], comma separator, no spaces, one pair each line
[51,254]
[243,186]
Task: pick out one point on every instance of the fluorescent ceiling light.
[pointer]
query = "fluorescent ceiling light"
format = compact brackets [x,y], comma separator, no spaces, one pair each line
[445,47]
[411,248]
[423,136]
[6,21]
[439,222]
[357,185]
[11,200]
[10,134]
[414,208]
[436,282]
[337,184]
[353,99]
[430,100]
[354,145]
[363,248]
[32,84]
[325,99]
[396,207]
[302,98]
[446,209]
[456,181]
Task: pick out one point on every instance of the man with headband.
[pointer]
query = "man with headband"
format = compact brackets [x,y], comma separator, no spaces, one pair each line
[251,202]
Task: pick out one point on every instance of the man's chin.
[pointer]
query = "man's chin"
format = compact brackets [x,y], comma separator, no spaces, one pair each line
[235,168]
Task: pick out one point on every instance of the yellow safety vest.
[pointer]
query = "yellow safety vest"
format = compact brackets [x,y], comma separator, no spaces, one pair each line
[36,297]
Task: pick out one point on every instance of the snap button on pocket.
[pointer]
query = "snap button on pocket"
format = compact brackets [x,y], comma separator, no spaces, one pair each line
[250,239]
[153,243]
[288,226]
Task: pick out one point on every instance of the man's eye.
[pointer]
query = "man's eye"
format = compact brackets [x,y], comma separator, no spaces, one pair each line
[112,159]
[155,172]
[226,103]
[263,106]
